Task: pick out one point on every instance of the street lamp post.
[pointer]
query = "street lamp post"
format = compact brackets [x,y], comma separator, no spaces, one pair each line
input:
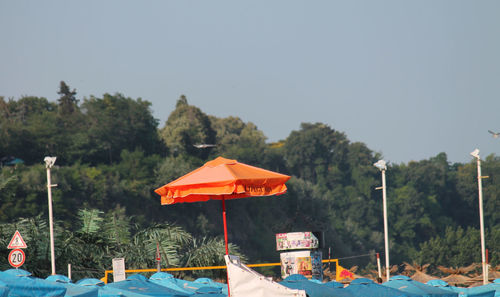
[381,164]
[49,162]
[475,154]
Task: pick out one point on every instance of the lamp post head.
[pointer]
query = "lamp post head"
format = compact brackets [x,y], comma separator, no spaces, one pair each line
[475,153]
[381,164]
[49,161]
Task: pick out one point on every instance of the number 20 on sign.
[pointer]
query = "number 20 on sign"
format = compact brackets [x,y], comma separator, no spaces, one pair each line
[16,258]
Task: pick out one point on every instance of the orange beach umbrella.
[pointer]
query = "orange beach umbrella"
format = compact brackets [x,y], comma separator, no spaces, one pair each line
[222,179]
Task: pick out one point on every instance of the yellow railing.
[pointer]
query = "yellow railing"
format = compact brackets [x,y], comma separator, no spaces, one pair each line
[107,272]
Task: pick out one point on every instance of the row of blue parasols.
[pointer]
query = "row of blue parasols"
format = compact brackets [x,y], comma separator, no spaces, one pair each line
[397,286]
[18,282]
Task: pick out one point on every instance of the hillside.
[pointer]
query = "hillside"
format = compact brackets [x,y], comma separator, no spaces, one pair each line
[111,155]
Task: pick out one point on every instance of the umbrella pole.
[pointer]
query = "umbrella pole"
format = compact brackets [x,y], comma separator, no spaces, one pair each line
[225,240]
[225,224]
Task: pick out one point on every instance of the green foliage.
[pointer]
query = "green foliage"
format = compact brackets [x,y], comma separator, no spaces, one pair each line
[91,221]
[116,226]
[115,123]
[33,230]
[171,240]
[186,127]
[317,153]
[28,128]
[491,191]
[204,252]
[173,167]
[457,247]
[24,191]
[111,156]
[238,140]
[95,132]
[68,104]
[102,237]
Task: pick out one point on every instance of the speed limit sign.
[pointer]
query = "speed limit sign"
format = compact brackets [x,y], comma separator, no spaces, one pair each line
[16,258]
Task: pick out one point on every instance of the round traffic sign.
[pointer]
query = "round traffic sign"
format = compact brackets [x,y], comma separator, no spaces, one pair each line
[16,258]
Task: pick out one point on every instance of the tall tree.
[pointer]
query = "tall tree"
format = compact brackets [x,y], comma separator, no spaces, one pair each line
[28,128]
[115,123]
[67,102]
[239,140]
[317,153]
[456,247]
[186,127]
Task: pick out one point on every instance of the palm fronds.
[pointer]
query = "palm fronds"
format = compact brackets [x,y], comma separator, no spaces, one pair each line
[91,221]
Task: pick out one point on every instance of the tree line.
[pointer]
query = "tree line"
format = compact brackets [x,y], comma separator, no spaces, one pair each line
[111,155]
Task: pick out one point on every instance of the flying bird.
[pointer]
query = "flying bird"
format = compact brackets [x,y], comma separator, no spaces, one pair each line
[200,146]
[495,134]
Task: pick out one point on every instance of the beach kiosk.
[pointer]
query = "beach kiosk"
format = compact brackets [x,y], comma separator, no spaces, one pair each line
[300,254]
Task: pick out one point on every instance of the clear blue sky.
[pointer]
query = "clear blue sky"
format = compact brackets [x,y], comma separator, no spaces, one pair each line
[410,79]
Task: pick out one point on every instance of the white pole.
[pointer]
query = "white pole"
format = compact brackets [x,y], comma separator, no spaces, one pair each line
[378,266]
[158,257]
[481,221]
[69,271]
[386,231]
[49,162]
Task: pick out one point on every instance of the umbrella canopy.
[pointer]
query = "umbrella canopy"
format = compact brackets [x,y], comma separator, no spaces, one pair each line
[72,290]
[4,290]
[406,284]
[495,286]
[456,279]
[300,282]
[421,277]
[462,292]
[138,284]
[222,179]
[21,283]
[167,280]
[362,287]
